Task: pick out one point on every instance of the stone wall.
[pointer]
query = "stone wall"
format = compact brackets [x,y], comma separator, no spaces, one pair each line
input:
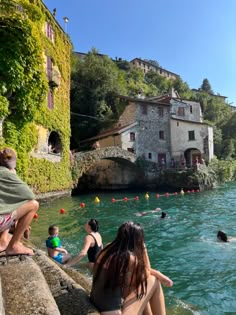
[38,285]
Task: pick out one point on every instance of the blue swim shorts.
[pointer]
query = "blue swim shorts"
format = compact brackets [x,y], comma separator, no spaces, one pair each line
[58,258]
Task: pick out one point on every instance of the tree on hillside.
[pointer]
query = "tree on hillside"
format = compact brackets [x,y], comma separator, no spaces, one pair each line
[206,86]
[95,83]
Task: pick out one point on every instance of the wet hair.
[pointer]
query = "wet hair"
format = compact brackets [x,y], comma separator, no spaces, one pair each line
[222,236]
[163,215]
[52,229]
[8,158]
[93,224]
[116,257]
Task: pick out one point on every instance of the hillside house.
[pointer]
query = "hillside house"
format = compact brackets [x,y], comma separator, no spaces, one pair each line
[148,66]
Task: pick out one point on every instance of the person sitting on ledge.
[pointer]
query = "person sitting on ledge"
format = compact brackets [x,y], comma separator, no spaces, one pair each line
[222,236]
[17,204]
[53,243]
[123,280]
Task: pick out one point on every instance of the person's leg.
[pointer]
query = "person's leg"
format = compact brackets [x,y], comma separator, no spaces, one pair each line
[25,215]
[5,238]
[133,305]
[157,301]
[147,310]
[66,258]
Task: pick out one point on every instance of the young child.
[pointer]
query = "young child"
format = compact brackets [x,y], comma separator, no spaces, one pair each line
[53,243]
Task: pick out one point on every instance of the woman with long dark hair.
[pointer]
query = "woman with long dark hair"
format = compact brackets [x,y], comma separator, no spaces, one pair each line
[92,244]
[123,280]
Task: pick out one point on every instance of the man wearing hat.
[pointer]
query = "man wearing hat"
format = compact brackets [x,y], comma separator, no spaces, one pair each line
[17,203]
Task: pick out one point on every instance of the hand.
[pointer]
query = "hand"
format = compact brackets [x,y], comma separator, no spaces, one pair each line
[167,282]
[65,251]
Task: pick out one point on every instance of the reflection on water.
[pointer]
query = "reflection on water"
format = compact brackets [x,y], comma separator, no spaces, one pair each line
[183,245]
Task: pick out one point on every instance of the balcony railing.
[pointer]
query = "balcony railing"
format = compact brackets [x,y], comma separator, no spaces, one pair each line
[7,8]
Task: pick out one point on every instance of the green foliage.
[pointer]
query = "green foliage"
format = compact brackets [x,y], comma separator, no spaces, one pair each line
[206,86]
[23,90]
[23,80]
[3,106]
[225,170]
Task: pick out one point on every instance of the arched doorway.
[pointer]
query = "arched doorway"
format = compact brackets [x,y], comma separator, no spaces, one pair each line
[54,143]
[191,155]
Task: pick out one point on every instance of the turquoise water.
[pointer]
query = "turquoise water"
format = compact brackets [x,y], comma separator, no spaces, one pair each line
[183,246]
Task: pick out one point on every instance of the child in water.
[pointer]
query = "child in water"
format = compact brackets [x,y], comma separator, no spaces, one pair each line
[53,243]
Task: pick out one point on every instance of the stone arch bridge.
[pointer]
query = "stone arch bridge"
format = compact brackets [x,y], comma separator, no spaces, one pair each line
[83,161]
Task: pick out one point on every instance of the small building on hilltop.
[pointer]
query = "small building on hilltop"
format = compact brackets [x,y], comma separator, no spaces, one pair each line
[147,66]
[35,86]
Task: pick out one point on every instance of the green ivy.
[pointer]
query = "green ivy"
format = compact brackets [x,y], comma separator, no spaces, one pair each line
[24,87]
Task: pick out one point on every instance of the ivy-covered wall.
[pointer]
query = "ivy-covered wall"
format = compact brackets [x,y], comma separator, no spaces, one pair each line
[24,86]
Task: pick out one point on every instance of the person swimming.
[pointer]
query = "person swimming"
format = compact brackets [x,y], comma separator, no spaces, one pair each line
[163,215]
[141,214]
[222,236]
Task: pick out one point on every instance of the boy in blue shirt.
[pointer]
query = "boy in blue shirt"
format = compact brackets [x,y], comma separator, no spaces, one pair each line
[54,247]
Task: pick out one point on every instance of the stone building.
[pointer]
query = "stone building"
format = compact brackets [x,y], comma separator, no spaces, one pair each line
[161,130]
[43,143]
[148,66]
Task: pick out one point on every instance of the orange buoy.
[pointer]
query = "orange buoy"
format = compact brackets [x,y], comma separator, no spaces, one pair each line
[137,198]
[113,200]
[125,199]
[36,216]
[62,211]
[82,205]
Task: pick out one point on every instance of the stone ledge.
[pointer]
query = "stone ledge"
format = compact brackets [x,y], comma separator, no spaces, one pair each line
[24,289]
[70,295]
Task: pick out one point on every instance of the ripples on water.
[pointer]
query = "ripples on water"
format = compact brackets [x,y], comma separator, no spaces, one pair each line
[183,246]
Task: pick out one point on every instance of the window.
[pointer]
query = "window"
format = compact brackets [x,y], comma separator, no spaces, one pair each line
[181,111]
[191,109]
[49,31]
[49,67]
[191,135]
[132,136]
[177,123]
[150,155]
[50,99]
[161,111]
[130,150]
[144,109]
[161,134]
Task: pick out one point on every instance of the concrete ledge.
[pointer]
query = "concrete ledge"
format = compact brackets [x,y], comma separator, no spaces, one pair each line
[70,296]
[24,289]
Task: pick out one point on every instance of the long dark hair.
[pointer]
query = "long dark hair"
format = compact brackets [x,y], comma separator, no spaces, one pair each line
[115,257]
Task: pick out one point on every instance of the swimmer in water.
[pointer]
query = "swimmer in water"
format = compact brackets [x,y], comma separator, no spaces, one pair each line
[141,214]
[222,236]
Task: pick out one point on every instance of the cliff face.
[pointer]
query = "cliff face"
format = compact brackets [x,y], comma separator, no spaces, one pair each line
[37,285]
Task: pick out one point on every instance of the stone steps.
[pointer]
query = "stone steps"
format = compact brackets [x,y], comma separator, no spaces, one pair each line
[37,285]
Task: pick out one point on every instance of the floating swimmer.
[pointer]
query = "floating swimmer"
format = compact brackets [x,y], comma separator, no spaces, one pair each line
[147,196]
[182,191]
[141,214]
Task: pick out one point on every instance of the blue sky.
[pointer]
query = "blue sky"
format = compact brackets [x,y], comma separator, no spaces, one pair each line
[193,38]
